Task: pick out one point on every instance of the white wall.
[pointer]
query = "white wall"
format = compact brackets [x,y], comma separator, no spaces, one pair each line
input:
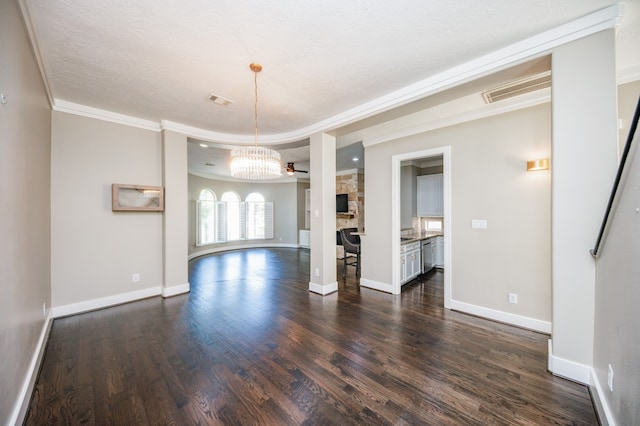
[627,101]
[617,318]
[488,181]
[25,232]
[283,195]
[175,219]
[584,162]
[301,186]
[95,251]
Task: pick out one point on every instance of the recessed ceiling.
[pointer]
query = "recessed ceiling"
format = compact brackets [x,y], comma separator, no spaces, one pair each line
[161,60]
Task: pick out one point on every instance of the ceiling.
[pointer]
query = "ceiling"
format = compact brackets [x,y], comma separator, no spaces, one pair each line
[326,65]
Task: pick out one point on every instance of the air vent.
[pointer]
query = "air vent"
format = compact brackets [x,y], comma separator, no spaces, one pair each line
[518,87]
[219,100]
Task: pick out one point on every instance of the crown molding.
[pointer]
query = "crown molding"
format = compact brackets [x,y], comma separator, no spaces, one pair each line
[628,75]
[31,30]
[276,181]
[230,140]
[518,52]
[101,114]
[489,110]
[349,172]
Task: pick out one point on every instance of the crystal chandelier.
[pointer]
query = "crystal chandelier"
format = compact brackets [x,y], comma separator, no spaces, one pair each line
[255,162]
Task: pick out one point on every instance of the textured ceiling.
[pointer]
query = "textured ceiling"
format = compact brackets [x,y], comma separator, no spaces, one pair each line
[161,59]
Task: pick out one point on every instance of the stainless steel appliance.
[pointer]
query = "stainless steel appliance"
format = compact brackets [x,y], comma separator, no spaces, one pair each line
[428,255]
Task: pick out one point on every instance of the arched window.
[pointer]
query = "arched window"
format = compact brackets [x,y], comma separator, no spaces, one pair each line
[234,216]
[230,219]
[255,216]
[206,217]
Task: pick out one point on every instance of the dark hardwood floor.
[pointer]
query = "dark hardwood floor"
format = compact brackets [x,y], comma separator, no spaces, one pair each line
[251,345]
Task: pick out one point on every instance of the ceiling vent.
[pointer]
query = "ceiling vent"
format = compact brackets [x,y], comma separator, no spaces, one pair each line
[518,87]
[219,100]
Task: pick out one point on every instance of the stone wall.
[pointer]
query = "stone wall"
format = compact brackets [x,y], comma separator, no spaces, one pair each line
[352,184]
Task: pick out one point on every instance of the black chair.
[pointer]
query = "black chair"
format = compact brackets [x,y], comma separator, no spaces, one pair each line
[351,244]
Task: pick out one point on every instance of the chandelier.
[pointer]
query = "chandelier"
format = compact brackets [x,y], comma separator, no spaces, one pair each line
[255,162]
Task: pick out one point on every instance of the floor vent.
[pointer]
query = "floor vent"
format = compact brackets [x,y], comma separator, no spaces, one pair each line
[518,87]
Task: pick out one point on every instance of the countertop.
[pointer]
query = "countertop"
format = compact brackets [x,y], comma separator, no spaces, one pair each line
[419,237]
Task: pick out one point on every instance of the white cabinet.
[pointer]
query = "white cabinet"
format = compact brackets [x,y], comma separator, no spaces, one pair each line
[307,208]
[439,252]
[430,195]
[304,238]
[410,261]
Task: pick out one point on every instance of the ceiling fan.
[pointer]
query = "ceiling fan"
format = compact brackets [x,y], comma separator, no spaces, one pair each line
[290,170]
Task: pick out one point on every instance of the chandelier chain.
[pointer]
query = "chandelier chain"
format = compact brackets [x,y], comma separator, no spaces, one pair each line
[255,106]
[255,162]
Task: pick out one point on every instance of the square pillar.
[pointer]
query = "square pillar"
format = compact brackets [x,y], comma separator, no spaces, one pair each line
[175,220]
[323,277]
[584,161]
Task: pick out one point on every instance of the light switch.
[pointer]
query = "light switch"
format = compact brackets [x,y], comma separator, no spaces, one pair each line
[479,223]
[316,212]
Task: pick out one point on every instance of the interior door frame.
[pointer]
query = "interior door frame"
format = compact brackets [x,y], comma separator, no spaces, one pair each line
[396,160]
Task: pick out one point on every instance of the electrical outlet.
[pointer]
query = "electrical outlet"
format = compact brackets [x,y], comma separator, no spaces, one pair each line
[135,277]
[610,378]
[479,223]
[513,298]
[317,272]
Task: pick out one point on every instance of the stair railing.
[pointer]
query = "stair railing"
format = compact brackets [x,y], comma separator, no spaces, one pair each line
[595,251]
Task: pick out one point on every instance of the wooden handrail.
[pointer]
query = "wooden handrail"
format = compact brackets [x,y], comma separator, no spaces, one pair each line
[627,147]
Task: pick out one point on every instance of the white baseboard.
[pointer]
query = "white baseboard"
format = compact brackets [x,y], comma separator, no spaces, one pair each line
[229,247]
[175,290]
[24,396]
[587,376]
[22,403]
[103,302]
[376,285]
[506,317]
[602,406]
[323,289]
[568,369]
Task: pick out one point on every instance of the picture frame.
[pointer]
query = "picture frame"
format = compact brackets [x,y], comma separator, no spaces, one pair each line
[138,198]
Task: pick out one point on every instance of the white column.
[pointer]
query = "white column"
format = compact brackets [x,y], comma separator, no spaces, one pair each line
[323,214]
[584,161]
[175,224]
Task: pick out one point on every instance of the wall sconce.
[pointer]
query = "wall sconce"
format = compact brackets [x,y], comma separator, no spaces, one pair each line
[542,164]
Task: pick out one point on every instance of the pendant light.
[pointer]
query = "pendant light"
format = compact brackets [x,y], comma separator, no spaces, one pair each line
[255,162]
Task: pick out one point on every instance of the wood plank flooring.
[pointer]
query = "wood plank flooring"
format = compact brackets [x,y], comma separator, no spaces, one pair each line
[251,346]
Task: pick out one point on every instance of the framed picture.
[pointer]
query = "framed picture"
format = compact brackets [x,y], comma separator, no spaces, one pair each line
[137,198]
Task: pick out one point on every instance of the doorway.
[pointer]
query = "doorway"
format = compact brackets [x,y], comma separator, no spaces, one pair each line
[396,160]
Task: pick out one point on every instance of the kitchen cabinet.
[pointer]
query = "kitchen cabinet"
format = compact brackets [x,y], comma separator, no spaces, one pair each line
[430,197]
[439,252]
[408,200]
[410,261]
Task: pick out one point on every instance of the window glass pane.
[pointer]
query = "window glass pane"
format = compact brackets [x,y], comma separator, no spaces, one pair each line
[254,196]
[206,217]
[206,194]
[255,216]
[433,225]
[232,201]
